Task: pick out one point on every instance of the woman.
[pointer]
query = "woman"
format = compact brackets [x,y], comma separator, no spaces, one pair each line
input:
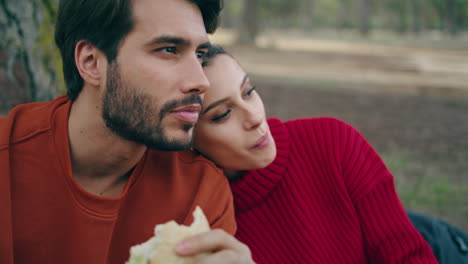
[305,191]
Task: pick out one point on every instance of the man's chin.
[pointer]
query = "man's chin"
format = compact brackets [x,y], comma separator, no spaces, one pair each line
[177,142]
[155,136]
[170,145]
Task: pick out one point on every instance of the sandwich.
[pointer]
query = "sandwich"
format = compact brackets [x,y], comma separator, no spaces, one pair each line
[161,247]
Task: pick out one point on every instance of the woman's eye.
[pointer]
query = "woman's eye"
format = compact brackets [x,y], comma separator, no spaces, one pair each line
[221,117]
[249,92]
[200,54]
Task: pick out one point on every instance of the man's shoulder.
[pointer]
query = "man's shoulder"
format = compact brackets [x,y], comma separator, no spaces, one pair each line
[193,159]
[186,160]
[189,156]
[27,120]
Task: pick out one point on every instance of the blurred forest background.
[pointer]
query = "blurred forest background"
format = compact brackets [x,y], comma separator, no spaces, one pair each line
[395,69]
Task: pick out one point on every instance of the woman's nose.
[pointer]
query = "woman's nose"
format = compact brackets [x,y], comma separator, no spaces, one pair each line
[253,118]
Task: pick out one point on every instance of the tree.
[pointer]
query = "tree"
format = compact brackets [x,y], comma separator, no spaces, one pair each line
[400,11]
[230,14]
[260,10]
[447,13]
[364,16]
[249,27]
[416,7]
[31,62]
[451,16]
[343,18]
[305,13]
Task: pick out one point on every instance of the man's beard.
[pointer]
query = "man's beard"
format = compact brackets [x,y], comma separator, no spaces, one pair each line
[133,117]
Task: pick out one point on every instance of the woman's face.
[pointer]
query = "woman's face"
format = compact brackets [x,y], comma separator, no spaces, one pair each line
[232,130]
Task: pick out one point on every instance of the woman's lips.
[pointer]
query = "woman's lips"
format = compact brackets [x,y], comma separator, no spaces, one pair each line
[189,113]
[261,142]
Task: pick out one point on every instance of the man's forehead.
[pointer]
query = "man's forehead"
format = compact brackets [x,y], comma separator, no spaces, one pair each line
[176,18]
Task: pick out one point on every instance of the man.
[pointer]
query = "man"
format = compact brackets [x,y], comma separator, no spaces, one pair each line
[83,178]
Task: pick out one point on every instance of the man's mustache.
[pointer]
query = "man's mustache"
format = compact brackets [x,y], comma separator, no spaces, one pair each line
[171,105]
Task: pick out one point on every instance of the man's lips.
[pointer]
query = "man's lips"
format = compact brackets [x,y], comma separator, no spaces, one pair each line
[189,113]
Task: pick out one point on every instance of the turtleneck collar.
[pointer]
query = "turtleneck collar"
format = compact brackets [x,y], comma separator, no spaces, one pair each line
[255,185]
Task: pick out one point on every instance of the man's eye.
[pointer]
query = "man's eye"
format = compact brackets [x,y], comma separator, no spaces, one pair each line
[221,117]
[172,50]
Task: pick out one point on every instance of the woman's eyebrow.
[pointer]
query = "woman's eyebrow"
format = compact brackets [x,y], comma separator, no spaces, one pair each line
[246,77]
[213,105]
[220,101]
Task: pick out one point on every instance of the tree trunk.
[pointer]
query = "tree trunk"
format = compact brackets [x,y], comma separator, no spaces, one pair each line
[451,17]
[30,65]
[227,19]
[402,11]
[343,19]
[249,27]
[364,17]
[307,15]
[416,15]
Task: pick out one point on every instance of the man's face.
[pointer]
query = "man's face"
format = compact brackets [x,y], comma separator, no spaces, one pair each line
[154,86]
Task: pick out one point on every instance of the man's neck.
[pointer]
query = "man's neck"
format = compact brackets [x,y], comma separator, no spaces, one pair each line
[101,161]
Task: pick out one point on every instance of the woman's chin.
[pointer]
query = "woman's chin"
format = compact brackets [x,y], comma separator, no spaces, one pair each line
[251,162]
[263,163]
[249,165]
[267,162]
[270,156]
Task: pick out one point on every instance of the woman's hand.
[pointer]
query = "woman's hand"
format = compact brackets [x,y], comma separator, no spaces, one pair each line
[224,248]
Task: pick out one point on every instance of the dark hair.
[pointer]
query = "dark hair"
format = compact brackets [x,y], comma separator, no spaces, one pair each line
[212,52]
[104,23]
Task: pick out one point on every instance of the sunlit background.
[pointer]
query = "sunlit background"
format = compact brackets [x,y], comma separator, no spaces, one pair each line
[397,70]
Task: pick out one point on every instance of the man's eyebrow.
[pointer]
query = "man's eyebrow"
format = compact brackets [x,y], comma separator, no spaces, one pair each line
[169,40]
[220,101]
[176,41]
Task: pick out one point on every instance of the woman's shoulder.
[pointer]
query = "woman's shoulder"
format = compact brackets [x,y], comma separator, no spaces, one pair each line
[328,129]
[315,123]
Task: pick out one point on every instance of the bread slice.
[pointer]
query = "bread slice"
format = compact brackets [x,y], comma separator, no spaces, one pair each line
[160,248]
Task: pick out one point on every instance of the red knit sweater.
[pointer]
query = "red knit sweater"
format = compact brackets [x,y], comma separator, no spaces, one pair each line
[327,198]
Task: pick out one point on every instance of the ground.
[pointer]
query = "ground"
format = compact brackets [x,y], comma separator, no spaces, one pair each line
[411,103]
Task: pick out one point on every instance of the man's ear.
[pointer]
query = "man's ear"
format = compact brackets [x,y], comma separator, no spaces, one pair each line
[89,60]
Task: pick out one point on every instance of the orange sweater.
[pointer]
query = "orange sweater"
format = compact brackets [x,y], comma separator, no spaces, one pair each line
[46,217]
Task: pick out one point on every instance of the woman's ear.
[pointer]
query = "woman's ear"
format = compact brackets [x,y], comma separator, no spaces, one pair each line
[88,60]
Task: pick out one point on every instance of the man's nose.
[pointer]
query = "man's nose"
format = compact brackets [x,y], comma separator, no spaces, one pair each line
[195,80]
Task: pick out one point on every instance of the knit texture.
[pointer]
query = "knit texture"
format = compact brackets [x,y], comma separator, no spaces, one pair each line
[327,198]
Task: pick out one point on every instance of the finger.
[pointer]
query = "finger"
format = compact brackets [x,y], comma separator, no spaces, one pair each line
[227,257]
[211,241]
